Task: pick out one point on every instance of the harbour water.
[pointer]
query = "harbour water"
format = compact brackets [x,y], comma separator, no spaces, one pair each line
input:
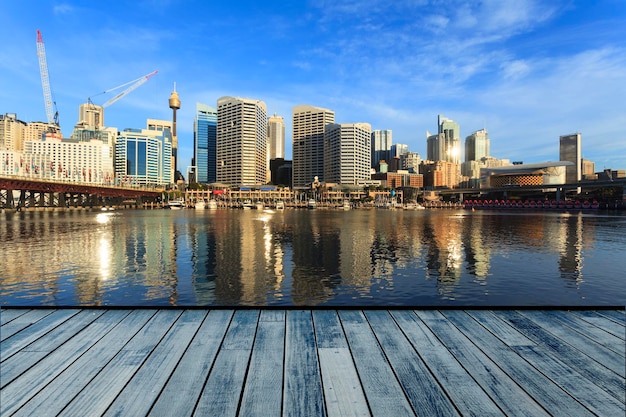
[435,257]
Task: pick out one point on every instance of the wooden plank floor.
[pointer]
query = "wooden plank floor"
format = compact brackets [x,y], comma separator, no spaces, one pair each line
[268,362]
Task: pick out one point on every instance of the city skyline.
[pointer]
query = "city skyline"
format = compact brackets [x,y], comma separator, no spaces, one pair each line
[527,72]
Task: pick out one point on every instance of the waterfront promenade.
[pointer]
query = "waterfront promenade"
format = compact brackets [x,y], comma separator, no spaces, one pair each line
[302,362]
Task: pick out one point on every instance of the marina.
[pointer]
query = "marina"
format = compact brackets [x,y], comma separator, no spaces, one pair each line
[302,362]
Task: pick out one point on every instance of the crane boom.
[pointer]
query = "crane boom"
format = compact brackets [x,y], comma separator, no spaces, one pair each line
[51,113]
[133,85]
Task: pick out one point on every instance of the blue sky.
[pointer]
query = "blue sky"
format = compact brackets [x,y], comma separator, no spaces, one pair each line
[526,70]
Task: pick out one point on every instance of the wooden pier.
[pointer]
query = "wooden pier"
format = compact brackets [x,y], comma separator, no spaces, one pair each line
[319,362]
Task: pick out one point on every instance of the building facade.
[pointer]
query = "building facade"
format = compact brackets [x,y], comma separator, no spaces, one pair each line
[347,152]
[410,162]
[446,144]
[68,160]
[477,145]
[12,132]
[205,143]
[381,146]
[241,141]
[276,137]
[143,157]
[308,124]
[570,150]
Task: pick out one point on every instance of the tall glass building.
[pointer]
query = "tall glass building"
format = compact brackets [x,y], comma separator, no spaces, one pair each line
[144,157]
[446,144]
[381,146]
[477,146]
[205,143]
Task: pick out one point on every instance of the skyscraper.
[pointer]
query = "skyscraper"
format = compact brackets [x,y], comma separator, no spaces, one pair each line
[241,141]
[308,143]
[381,146]
[446,144]
[276,137]
[477,145]
[347,152]
[205,143]
[570,150]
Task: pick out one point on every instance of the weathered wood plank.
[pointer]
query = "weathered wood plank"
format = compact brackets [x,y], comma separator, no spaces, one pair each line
[54,396]
[382,388]
[328,331]
[496,383]
[458,384]
[618,316]
[222,392]
[425,394]
[517,361]
[144,387]
[102,390]
[180,395]
[582,337]
[610,326]
[574,360]
[303,395]
[6,315]
[261,395]
[19,360]
[343,394]
[37,377]
[27,325]
[592,331]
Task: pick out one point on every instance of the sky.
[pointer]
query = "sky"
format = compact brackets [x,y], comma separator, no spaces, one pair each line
[528,71]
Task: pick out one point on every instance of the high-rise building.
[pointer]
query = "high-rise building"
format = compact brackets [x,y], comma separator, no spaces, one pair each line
[570,150]
[144,157]
[90,114]
[241,141]
[308,143]
[12,132]
[398,150]
[381,146]
[347,152]
[205,143]
[477,145]
[411,161]
[276,137]
[446,144]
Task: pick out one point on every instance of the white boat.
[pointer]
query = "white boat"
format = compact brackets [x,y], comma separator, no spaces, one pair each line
[247,204]
[414,206]
[176,204]
[200,205]
[259,205]
[311,204]
[280,205]
[346,205]
[212,205]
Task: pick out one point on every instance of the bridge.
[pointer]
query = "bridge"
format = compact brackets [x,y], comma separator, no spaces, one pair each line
[20,192]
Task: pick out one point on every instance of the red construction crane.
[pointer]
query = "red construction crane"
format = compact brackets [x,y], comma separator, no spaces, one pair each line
[51,107]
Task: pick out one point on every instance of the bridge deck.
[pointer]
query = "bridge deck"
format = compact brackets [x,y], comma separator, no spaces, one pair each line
[267,362]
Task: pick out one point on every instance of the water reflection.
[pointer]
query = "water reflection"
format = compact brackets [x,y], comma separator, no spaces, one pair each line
[358,257]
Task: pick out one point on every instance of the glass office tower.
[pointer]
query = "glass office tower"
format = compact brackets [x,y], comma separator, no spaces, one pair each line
[205,142]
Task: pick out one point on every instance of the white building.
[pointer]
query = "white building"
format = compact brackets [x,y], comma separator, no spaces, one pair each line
[308,123]
[66,160]
[347,153]
[241,141]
